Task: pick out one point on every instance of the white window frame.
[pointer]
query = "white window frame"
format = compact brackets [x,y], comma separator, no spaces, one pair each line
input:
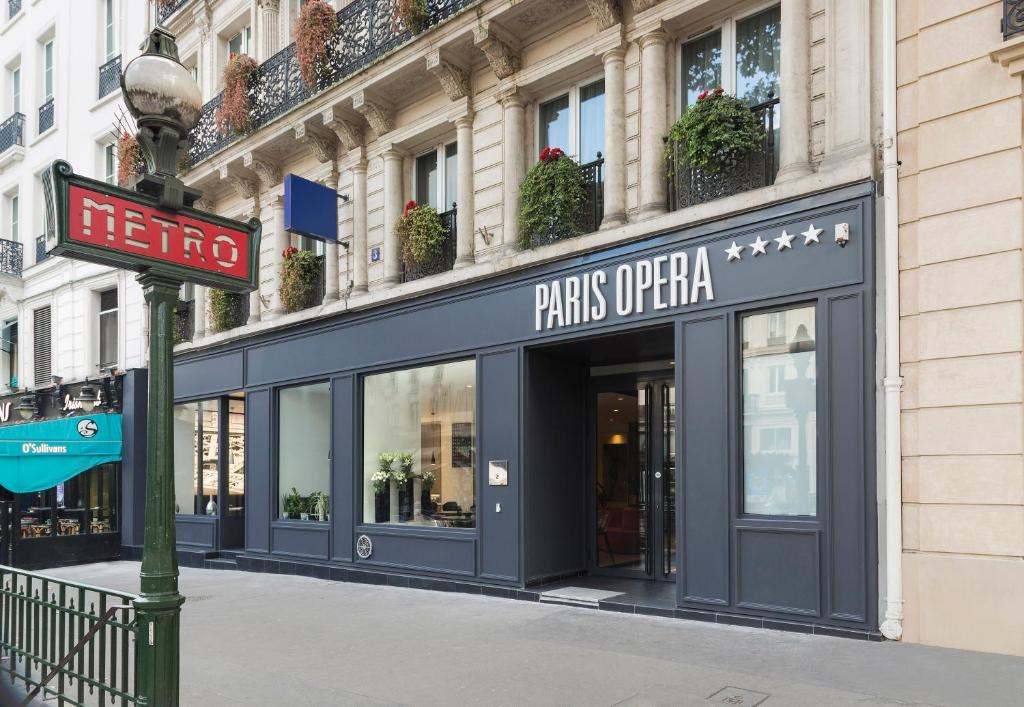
[48,71]
[109,29]
[109,158]
[574,116]
[14,216]
[727,26]
[244,36]
[99,326]
[445,200]
[15,79]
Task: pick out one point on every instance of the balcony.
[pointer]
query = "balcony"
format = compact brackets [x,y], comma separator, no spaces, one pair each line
[591,213]
[184,321]
[13,8]
[12,139]
[46,116]
[689,187]
[1013,18]
[41,253]
[110,77]
[166,8]
[445,260]
[365,33]
[12,257]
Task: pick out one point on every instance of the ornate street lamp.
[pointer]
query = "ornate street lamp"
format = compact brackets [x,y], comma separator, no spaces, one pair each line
[166,102]
[87,397]
[27,407]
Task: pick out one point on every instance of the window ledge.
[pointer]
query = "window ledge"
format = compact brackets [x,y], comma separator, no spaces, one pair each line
[1010,54]
[43,135]
[14,153]
[12,21]
[109,98]
[318,525]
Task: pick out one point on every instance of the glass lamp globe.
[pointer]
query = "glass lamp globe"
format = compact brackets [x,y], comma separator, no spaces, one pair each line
[157,85]
[87,397]
[26,407]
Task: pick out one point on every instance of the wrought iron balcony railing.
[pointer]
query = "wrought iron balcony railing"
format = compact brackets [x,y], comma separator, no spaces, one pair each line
[13,8]
[689,187]
[166,8]
[12,257]
[184,321]
[46,116]
[1013,18]
[12,132]
[110,76]
[445,259]
[321,281]
[366,31]
[41,253]
[591,213]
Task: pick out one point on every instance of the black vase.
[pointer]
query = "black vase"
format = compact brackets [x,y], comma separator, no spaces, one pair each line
[381,511]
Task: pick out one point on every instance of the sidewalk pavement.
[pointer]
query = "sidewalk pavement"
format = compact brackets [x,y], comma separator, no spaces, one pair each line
[264,639]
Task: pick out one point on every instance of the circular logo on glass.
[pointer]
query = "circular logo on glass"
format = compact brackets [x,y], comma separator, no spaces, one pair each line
[87,428]
[364,547]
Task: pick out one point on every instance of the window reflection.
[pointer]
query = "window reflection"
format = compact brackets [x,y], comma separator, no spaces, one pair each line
[419,446]
[780,413]
[304,452]
[196,452]
[84,504]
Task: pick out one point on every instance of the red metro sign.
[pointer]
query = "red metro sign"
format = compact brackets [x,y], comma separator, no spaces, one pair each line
[104,224]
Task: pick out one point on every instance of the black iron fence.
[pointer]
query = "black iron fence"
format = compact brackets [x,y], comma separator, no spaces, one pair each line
[110,76]
[366,31]
[445,258]
[184,321]
[166,8]
[41,253]
[70,642]
[1013,18]
[12,257]
[12,132]
[46,116]
[688,186]
[591,212]
[13,8]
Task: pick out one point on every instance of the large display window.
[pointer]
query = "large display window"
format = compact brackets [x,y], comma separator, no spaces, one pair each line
[83,505]
[304,452]
[419,441]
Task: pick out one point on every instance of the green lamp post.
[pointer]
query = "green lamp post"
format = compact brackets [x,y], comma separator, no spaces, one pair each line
[166,103]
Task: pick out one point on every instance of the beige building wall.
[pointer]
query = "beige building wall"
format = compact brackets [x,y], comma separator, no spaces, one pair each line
[961,320]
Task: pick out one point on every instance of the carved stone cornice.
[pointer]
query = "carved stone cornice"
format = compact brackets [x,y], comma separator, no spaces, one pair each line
[1010,54]
[205,204]
[203,19]
[501,52]
[269,173]
[453,79]
[379,115]
[642,5]
[323,146]
[273,5]
[606,13]
[244,188]
[349,134]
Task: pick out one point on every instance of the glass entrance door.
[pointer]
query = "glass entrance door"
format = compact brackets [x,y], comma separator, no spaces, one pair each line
[634,477]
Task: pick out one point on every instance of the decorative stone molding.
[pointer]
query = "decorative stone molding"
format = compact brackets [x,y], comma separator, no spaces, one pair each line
[322,146]
[453,79]
[269,173]
[380,116]
[205,205]
[269,4]
[502,53]
[643,5]
[1010,54]
[203,19]
[606,13]
[349,134]
[244,188]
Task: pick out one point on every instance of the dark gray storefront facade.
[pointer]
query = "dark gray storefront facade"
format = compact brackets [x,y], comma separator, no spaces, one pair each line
[702,341]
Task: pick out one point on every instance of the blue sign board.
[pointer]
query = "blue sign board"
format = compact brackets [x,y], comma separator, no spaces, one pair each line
[310,209]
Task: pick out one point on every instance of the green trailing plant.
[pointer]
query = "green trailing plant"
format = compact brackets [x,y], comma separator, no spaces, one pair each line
[551,198]
[314,29]
[421,234]
[300,272]
[410,14]
[234,113]
[225,310]
[714,132]
[294,504]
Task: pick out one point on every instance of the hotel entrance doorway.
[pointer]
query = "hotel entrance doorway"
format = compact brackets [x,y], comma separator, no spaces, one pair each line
[632,466]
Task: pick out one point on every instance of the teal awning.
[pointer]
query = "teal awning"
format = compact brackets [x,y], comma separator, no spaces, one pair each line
[39,455]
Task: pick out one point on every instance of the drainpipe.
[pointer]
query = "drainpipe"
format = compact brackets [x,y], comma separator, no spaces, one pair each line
[892,625]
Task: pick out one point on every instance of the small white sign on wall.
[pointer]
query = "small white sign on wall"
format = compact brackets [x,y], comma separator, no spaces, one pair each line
[497,473]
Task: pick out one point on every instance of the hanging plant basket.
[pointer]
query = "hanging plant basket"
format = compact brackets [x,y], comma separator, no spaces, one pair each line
[314,32]
[421,234]
[551,199]
[714,133]
[411,15]
[234,111]
[130,163]
[300,273]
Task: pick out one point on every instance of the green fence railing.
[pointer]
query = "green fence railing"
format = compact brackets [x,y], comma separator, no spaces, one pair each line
[69,643]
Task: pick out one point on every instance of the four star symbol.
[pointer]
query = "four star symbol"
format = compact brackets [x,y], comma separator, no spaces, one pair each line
[759,246]
[811,235]
[734,251]
[785,240]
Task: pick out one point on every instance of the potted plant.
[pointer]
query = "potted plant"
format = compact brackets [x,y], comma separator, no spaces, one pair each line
[421,234]
[411,15]
[233,113]
[294,505]
[300,273]
[225,310]
[383,483]
[130,163]
[551,198]
[714,133]
[314,30]
[318,505]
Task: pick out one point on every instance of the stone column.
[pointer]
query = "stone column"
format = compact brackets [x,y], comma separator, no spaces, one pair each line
[653,124]
[359,210]
[465,218]
[514,136]
[331,269]
[392,211]
[794,92]
[614,138]
[269,41]
[280,241]
[848,66]
[199,313]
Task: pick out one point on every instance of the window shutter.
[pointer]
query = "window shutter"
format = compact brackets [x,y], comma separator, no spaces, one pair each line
[41,346]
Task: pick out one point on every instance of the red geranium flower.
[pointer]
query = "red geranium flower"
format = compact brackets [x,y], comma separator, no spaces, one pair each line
[409,206]
[703,95]
[290,251]
[719,91]
[545,154]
